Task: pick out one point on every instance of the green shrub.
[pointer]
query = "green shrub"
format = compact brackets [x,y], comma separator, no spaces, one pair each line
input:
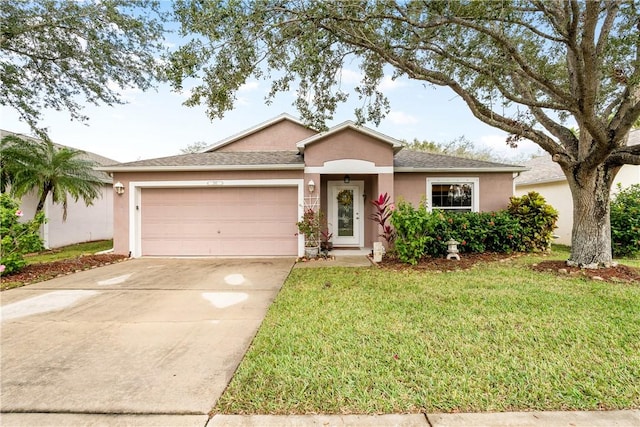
[18,238]
[625,221]
[527,225]
[413,236]
[537,218]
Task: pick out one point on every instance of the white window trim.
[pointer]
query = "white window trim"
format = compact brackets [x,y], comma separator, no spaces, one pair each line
[475,192]
[135,199]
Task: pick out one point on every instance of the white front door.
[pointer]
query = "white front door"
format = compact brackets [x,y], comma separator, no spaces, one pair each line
[345,213]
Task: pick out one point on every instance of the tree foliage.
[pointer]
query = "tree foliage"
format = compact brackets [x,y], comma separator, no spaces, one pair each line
[41,166]
[523,66]
[196,147]
[459,147]
[55,53]
[18,237]
[625,221]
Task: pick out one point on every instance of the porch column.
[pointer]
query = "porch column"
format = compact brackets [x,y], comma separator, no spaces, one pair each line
[385,185]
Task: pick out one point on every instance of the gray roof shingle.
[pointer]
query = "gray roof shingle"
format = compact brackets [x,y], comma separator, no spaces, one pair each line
[213,159]
[411,159]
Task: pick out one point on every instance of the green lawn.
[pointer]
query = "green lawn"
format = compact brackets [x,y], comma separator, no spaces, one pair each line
[496,338]
[71,251]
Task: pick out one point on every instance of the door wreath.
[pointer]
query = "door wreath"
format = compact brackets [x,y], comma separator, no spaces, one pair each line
[345,197]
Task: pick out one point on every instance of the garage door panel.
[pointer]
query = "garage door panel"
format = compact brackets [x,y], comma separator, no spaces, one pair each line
[219,221]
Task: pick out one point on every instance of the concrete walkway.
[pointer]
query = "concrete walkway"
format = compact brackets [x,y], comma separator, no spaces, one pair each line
[630,418]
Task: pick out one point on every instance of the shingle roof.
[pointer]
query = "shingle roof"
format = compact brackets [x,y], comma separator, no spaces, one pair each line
[408,160]
[543,169]
[217,160]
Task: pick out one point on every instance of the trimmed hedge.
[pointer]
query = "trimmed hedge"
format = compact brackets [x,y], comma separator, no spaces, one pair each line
[526,225]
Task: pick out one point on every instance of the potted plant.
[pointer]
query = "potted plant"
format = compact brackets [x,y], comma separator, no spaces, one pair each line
[326,244]
[309,226]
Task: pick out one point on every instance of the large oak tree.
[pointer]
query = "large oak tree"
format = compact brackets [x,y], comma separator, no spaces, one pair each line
[530,68]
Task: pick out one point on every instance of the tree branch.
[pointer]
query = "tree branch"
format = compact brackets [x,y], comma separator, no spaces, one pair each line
[629,155]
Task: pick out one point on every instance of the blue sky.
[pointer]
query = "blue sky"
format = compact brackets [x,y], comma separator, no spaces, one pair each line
[156,124]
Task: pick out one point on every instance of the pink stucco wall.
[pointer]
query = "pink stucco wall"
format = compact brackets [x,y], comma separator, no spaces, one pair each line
[281,136]
[348,144]
[495,188]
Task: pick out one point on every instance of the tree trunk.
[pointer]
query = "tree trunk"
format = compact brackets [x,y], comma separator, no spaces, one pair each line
[591,235]
[43,199]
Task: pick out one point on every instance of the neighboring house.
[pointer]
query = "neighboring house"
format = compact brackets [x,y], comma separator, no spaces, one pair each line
[243,195]
[546,177]
[84,223]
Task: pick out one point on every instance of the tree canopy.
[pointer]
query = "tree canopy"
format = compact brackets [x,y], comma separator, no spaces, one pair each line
[56,54]
[529,67]
[552,59]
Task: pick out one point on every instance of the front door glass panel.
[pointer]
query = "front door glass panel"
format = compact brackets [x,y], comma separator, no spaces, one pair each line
[346,210]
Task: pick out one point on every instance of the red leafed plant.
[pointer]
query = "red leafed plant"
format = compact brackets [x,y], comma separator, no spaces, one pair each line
[383,211]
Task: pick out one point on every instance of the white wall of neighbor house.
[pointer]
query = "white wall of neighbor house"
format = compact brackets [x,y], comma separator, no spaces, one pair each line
[558,195]
[83,224]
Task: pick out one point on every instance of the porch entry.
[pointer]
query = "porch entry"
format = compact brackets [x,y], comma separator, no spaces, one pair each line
[345,212]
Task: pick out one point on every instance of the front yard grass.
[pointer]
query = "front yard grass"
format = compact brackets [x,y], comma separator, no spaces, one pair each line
[498,337]
[71,251]
[51,263]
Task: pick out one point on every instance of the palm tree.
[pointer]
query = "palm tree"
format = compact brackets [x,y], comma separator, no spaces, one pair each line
[42,166]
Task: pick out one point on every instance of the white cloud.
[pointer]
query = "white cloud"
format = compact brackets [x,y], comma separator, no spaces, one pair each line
[249,86]
[128,94]
[401,118]
[388,84]
[348,76]
[498,144]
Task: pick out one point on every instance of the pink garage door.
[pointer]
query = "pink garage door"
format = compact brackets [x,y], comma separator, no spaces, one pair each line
[219,221]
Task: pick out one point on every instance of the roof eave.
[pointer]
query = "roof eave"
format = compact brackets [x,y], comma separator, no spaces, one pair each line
[542,181]
[202,168]
[461,170]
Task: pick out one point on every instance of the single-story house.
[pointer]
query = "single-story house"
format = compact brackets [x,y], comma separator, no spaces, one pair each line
[243,195]
[84,223]
[546,177]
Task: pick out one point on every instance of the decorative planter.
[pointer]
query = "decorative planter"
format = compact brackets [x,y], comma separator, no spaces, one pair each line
[311,252]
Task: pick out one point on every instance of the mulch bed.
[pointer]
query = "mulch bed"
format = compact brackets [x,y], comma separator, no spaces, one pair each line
[620,273]
[442,264]
[48,270]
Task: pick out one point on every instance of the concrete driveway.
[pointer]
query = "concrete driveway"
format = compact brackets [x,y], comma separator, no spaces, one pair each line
[145,336]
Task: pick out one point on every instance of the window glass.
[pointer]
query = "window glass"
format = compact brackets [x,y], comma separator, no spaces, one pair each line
[452,196]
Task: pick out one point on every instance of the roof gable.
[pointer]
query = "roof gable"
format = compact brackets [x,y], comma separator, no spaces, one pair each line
[250,136]
[394,143]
